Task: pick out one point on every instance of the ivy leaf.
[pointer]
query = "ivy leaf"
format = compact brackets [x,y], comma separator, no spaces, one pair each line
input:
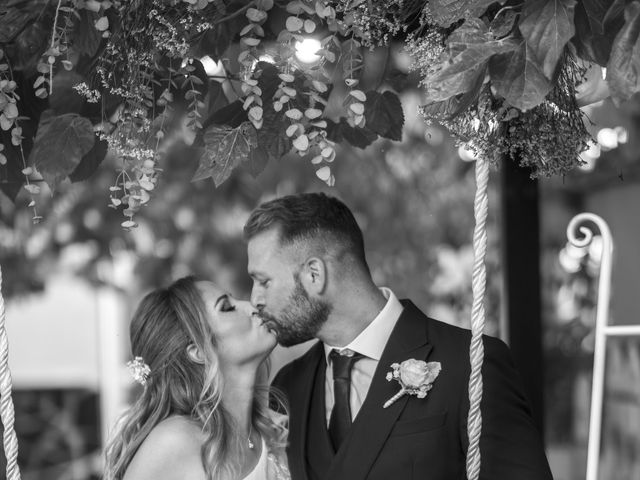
[273,142]
[472,32]
[87,38]
[14,16]
[597,22]
[268,80]
[225,149]
[624,65]
[272,135]
[356,136]
[384,115]
[27,47]
[502,24]
[447,12]
[517,78]
[90,161]
[60,144]
[440,110]
[470,97]
[460,73]
[232,115]
[547,26]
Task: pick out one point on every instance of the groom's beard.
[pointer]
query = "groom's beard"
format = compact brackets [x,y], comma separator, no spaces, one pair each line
[300,321]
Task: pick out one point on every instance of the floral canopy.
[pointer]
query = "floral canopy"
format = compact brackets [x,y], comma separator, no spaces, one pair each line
[82,79]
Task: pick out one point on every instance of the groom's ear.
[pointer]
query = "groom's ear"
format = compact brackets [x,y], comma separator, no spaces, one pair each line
[314,275]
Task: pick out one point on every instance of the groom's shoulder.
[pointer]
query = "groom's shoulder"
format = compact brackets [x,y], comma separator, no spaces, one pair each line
[298,366]
[442,332]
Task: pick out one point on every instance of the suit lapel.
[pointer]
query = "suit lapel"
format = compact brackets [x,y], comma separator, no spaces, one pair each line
[300,405]
[374,423]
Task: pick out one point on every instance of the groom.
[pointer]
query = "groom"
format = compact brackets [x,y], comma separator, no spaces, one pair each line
[311,280]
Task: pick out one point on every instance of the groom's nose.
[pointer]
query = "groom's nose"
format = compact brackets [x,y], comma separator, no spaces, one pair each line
[257,299]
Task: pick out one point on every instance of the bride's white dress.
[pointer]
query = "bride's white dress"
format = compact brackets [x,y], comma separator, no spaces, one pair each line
[260,471]
[269,467]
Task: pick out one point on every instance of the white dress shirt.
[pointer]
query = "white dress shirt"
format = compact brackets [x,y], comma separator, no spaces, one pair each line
[370,343]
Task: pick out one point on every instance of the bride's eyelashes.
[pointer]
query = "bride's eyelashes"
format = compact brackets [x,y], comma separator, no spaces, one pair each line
[227,307]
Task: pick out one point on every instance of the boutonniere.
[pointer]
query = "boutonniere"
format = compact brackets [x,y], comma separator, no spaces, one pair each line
[414,376]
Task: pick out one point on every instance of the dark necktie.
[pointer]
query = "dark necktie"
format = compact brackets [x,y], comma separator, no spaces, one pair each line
[340,419]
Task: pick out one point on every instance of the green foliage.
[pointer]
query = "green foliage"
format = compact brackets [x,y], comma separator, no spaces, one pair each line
[61,143]
[624,63]
[133,72]
[225,149]
[537,52]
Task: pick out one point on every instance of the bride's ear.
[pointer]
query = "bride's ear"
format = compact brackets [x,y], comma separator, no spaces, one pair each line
[314,275]
[195,354]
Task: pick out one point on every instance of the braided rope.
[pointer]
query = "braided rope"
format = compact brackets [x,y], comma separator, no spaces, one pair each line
[476,349]
[6,403]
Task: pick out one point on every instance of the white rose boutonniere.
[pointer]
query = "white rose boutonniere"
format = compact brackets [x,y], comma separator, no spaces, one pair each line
[415,377]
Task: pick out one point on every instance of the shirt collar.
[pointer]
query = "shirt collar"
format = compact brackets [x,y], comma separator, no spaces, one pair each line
[372,340]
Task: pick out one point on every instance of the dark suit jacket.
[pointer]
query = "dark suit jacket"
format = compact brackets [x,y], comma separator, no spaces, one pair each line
[424,438]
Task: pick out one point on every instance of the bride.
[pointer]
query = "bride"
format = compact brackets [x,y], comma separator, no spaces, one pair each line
[202,415]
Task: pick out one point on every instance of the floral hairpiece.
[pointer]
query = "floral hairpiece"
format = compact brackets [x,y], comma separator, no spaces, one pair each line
[139,370]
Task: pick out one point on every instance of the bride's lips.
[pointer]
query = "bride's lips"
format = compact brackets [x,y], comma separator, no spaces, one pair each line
[265,323]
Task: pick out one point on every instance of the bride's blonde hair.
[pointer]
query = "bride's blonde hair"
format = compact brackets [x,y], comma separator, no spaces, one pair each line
[165,323]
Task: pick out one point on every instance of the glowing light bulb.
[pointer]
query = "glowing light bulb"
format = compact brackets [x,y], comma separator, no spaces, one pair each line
[466,153]
[306,50]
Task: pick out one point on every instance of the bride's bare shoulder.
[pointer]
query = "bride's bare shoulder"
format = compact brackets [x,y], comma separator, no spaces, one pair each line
[170,451]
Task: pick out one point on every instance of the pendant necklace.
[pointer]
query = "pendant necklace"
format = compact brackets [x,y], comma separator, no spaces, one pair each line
[250,444]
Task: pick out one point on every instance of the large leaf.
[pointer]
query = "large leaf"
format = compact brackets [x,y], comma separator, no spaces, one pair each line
[459,75]
[27,47]
[384,115]
[623,68]
[87,37]
[517,77]
[232,115]
[15,15]
[440,110]
[273,142]
[225,149]
[356,136]
[272,135]
[597,22]
[454,106]
[547,26]
[90,161]
[447,12]
[268,80]
[472,32]
[60,144]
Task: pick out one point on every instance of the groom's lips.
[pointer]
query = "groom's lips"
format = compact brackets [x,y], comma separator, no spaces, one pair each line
[271,325]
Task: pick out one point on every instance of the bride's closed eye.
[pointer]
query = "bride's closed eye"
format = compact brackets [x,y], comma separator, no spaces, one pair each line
[225,305]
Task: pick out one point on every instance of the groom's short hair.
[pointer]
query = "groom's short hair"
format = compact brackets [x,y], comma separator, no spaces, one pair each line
[309,217]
